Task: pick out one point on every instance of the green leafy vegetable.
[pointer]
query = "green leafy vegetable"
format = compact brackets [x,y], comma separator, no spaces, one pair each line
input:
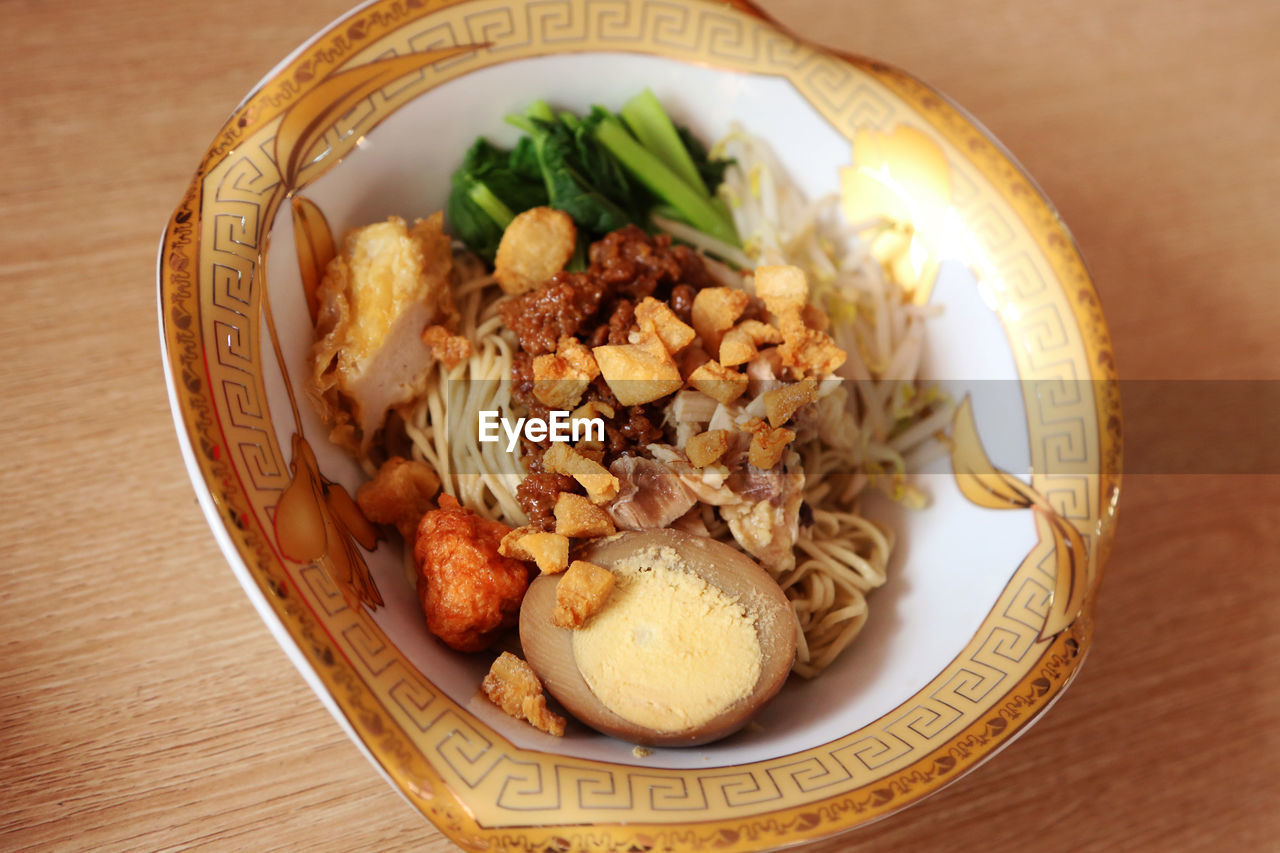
[578,180]
[653,127]
[604,170]
[491,186]
[711,171]
[693,207]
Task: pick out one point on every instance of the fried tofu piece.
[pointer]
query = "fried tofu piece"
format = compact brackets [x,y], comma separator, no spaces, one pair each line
[657,318]
[536,245]
[512,685]
[706,448]
[549,550]
[469,592]
[767,443]
[718,382]
[388,283]
[637,373]
[601,486]
[446,346]
[781,403]
[716,309]
[580,518]
[580,594]
[560,379]
[399,494]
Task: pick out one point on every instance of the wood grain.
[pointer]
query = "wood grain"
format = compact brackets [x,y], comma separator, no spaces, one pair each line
[145,707]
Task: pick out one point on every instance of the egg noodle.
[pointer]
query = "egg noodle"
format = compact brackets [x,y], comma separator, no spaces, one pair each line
[863,434]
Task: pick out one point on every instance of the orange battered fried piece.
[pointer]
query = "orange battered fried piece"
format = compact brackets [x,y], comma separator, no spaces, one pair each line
[512,685]
[469,591]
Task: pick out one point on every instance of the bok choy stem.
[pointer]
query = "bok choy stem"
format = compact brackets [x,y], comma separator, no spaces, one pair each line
[491,204]
[693,207]
[656,132]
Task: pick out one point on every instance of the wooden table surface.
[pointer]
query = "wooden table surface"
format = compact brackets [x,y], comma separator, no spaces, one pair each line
[144,706]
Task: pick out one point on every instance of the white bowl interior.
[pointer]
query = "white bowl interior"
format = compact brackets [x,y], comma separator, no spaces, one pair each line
[952,559]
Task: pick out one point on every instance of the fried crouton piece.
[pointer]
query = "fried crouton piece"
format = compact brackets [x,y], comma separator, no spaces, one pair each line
[781,403]
[549,550]
[446,346]
[657,318]
[716,309]
[399,494]
[759,333]
[767,443]
[805,350]
[560,379]
[637,373]
[736,348]
[469,592]
[784,289]
[512,685]
[536,245]
[509,545]
[707,448]
[580,594]
[810,352]
[556,383]
[580,518]
[601,486]
[575,352]
[718,382]
[741,343]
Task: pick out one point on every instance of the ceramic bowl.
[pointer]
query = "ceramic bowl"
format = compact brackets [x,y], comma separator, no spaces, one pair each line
[987,613]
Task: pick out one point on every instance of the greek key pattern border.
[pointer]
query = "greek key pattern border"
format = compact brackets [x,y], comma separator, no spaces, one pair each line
[411,725]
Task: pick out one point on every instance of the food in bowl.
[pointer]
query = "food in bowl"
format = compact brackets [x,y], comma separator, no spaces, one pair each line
[620,334]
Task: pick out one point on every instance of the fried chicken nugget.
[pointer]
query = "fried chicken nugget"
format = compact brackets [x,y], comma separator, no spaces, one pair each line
[469,591]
